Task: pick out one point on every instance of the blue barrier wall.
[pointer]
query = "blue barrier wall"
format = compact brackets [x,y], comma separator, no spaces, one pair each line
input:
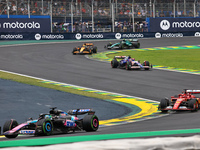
[89,36]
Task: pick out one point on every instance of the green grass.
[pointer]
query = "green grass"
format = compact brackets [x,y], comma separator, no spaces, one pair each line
[182,58]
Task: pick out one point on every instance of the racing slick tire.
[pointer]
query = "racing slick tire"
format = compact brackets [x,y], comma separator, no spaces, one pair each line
[146,63]
[128,65]
[121,46]
[90,123]
[163,104]
[44,127]
[193,104]
[9,125]
[95,49]
[114,63]
[137,45]
[74,50]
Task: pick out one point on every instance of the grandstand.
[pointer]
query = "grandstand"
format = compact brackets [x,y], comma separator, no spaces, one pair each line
[99,15]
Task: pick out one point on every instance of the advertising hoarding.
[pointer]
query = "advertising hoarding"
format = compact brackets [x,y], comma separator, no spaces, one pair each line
[15,25]
[174,24]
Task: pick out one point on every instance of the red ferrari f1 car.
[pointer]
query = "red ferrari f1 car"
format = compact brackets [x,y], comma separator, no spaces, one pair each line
[184,101]
[54,121]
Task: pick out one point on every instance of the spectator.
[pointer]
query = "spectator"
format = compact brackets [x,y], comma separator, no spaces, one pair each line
[162,14]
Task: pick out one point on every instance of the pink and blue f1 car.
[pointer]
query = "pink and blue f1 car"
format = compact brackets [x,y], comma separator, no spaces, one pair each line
[56,121]
[128,63]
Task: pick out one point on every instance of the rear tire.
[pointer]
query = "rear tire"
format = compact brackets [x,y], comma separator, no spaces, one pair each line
[9,125]
[44,127]
[114,63]
[90,123]
[193,104]
[136,45]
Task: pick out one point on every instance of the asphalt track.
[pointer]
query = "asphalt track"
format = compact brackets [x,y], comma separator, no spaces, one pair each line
[56,62]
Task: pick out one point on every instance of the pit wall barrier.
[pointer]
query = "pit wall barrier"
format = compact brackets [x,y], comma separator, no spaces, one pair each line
[90,36]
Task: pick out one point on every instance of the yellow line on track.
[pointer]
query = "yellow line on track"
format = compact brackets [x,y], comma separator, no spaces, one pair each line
[146,110]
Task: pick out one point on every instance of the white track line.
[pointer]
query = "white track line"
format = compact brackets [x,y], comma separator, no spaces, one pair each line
[75,85]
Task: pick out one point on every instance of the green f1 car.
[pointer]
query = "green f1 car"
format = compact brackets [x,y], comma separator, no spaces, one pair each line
[126,43]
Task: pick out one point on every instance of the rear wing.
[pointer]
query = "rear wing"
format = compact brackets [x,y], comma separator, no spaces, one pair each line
[89,44]
[193,91]
[81,112]
[120,57]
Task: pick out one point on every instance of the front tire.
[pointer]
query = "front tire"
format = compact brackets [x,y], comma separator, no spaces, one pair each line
[44,127]
[74,50]
[128,65]
[9,125]
[95,49]
[90,123]
[146,63]
[163,104]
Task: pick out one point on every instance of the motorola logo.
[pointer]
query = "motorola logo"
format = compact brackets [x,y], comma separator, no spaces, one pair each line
[118,35]
[37,36]
[158,35]
[197,34]
[78,36]
[164,24]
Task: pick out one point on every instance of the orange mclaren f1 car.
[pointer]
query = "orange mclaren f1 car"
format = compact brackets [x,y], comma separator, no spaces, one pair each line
[86,48]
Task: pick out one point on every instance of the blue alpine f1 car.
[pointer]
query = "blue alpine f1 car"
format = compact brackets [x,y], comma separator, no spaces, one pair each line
[128,63]
[54,121]
[125,43]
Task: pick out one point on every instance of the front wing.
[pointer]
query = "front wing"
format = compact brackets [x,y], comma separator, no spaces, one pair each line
[179,108]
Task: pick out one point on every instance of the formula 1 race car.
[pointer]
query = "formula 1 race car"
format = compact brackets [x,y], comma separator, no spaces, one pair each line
[184,101]
[128,63]
[86,48]
[126,43]
[55,120]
